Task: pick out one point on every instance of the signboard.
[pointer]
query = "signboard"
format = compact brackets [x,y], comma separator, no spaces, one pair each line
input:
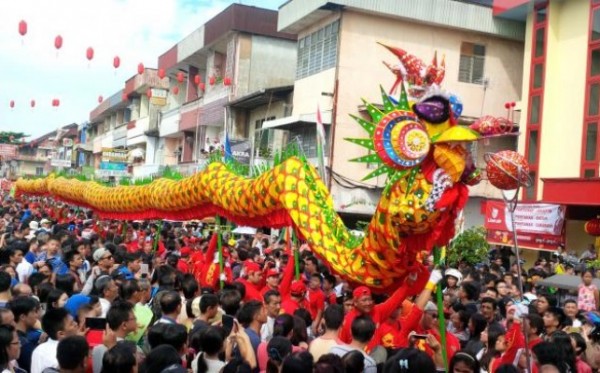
[8,151]
[113,166]
[67,142]
[108,173]
[240,150]
[539,226]
[60,163]
[114,155]
[159,97]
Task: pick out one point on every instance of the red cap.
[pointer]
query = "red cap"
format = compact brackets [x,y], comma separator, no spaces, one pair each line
[272,272]
[361,291]
[298,287]
[251,266]
[185,251]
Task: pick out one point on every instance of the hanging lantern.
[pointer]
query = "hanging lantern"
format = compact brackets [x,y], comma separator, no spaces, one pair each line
[116,62]
[100,99]
[22,28]
[161,73]
[212,80]
[32,103]
[227,81]
[202,86]
[149,93]
[197,79]
[140,68]
[592,227]
[175,90]
[58,42]
[89,53]
[11,104]
[124,97]
[180,77]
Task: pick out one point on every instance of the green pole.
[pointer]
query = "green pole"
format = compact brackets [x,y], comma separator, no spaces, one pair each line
[124,229]
[437,258]
[158,231]
[296,254]
[220,247]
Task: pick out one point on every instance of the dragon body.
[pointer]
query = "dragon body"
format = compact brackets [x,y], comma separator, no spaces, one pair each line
[422,154]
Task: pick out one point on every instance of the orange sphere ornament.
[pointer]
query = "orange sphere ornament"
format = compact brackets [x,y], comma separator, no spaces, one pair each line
[592,227]
[507,170]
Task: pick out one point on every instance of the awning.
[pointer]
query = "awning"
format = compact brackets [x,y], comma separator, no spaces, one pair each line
[572,191]
[287,123]
[262,97]
[565,282]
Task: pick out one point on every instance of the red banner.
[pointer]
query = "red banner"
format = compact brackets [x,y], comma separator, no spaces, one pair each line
[539,226]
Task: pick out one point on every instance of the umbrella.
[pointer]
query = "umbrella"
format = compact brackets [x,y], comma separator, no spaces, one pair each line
[565,282]
[244,230]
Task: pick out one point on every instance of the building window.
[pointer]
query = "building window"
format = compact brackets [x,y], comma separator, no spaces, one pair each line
[39,171]
[590,139]
[318,51]
[472,63]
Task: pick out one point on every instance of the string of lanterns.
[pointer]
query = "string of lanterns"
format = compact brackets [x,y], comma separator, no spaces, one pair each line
[116,63]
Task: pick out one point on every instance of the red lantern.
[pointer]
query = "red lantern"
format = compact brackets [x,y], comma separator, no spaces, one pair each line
[32,103]
[89,53]
[592,227]
[175,90]
[161,73]
[140,68]
[116,62]
[212,80]
[507,170]
[197,79]
[180,77]
[55,102]
[100,99]
[149,93]
[202,86]
[124,97]
[22,28]
[11,104]
[58,42]
[227,81]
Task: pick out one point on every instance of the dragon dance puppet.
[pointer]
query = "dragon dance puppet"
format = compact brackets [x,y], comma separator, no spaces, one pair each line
[417,142]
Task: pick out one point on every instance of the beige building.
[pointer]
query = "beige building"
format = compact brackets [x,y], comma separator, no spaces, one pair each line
[340,62]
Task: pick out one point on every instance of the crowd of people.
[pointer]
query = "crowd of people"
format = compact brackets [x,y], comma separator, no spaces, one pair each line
[79,294]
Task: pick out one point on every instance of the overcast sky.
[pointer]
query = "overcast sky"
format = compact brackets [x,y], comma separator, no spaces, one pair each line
[136,30]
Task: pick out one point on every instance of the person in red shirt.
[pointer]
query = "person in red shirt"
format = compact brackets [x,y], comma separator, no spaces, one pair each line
[363,303]
[296,298]
[272,281]
[316,300]
[329,289]
[430,325]
[252,281]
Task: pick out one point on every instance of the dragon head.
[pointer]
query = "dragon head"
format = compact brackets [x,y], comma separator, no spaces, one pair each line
[423,151]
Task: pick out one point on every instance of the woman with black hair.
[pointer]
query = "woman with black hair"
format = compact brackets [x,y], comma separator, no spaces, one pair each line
[278,349]
[283,326]
[56,299]
[477,324]
[210,345]
[463,362]
[493,337]
[10,349]
[566,352]
[580,346]
[160,358]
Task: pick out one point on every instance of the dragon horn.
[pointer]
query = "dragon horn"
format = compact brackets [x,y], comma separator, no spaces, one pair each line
[434,61]
[397,51]
[444,60]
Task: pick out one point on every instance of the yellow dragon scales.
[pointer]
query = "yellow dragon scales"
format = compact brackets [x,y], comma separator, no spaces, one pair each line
[418,144]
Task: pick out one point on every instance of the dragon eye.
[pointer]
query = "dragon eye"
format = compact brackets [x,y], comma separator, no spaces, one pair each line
[435,109]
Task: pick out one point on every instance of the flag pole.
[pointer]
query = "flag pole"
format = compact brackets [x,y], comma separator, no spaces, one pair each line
[321,146]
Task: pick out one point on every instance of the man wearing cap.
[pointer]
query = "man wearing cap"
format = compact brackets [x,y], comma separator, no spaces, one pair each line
[46,225]
[363,303]
[252,281]
[272,281]
[104,266]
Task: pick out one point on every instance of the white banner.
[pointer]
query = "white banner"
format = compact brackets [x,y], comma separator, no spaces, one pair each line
[538,218]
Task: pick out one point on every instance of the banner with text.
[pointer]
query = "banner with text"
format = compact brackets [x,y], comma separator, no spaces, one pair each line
[539,226]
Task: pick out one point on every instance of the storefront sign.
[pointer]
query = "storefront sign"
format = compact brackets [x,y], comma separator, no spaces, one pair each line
[114,155]
[538,225]
[60,163]
[240,150]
